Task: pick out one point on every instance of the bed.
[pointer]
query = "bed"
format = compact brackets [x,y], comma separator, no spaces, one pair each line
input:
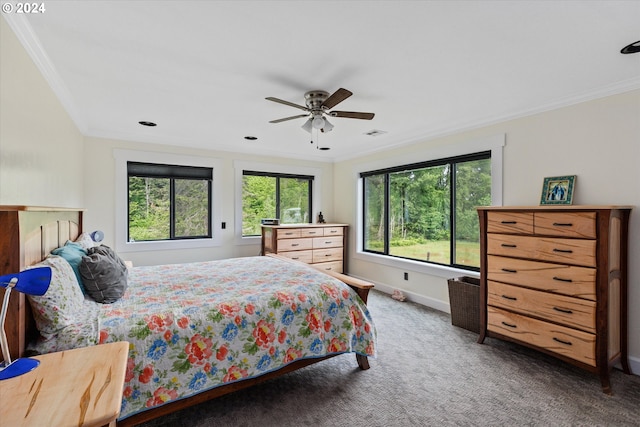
[197,330]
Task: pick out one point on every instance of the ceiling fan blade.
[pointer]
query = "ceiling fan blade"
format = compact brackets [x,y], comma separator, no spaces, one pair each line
[290,104]
[289,118]
[336,98]
[352,115]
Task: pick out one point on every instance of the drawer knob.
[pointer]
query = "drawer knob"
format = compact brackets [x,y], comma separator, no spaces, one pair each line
[295,244]
[327,254]
[508,270]
[327,243]
[510,325]
[562,224]
[560,279]
[563,251]
[562,341]
[508,222]
[509,298]
[563,310]
[508,245]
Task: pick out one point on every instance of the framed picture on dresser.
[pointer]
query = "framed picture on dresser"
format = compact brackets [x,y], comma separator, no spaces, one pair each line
[558,190]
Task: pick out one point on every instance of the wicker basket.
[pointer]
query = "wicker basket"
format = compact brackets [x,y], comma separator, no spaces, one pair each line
[464,299]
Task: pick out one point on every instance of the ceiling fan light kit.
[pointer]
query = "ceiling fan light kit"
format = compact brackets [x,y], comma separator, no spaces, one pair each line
[308,125]
[318,122]
[318,103]
[328,127]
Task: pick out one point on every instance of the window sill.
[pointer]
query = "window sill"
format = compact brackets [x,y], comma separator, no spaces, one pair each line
[167,245]
[415,266]
[249,240]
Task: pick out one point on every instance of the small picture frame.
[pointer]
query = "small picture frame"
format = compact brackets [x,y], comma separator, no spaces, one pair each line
[558,190]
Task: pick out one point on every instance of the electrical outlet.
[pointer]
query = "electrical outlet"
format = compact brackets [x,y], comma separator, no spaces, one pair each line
[406,276]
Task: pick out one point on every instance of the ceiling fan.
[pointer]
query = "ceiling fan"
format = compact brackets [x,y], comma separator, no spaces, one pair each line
[318,103]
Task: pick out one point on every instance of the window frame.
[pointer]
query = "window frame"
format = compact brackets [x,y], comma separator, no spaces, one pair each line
[278,177]
[272,168]
[172,173]
[386,173]
[493,143]
[123,156]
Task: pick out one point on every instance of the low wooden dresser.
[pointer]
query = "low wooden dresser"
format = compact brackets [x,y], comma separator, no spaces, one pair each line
[555,279]
[323,245]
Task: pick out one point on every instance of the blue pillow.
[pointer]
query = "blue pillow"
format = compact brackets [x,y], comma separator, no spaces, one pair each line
[73,253]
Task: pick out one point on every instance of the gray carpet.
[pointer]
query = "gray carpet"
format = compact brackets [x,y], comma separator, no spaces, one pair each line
[427,372]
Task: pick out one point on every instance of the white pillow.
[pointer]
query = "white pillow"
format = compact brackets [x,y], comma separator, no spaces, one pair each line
[56,309]
[85,240]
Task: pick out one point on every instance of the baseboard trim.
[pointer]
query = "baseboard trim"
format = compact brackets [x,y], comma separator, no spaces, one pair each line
[634,365]
[411,296]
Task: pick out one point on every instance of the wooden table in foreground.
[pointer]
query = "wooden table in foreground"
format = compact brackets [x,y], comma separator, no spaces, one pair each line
[80,387]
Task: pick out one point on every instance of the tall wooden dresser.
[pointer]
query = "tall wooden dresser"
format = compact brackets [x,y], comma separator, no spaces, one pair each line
[555,279]
[321,244]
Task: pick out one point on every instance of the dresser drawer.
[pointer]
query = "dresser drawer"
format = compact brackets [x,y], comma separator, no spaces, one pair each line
[335,266]
[311,232]
[295,244]
[510,222]
[327,242]
[334,231]
[570,251]
[577,345]
[574,312]
[566,224]
[289,233]
[559,278]
[323,255]
[303,256]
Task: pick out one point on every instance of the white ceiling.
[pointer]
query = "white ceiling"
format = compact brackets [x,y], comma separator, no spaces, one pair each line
[202,69]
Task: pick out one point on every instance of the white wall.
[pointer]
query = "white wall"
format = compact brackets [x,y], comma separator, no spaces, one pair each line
[100,197]
[41,150]
[599,141]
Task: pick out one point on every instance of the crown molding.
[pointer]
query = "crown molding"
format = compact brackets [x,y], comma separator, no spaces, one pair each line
[31,43]
[417,136]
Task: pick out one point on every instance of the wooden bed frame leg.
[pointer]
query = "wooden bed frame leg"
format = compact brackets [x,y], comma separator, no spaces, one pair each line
[363,362]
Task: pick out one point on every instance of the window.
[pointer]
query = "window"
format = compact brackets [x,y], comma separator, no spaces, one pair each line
[168,202]
[274,195]
[426,211]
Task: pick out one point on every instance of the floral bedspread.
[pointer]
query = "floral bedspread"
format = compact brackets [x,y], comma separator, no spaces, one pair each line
[196,326]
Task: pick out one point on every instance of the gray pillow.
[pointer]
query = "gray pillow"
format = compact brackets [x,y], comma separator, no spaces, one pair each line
[104,274]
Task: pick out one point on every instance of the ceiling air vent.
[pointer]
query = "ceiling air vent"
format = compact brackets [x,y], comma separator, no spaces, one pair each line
[375,132]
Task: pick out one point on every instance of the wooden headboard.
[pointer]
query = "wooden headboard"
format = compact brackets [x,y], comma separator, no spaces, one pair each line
[27,235]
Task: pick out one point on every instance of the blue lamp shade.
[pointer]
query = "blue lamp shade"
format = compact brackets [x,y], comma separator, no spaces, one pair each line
[18,367]
[34,281]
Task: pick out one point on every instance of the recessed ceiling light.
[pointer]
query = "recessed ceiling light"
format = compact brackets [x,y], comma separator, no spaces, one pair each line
[145,123]
[632,48]
[250,138]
